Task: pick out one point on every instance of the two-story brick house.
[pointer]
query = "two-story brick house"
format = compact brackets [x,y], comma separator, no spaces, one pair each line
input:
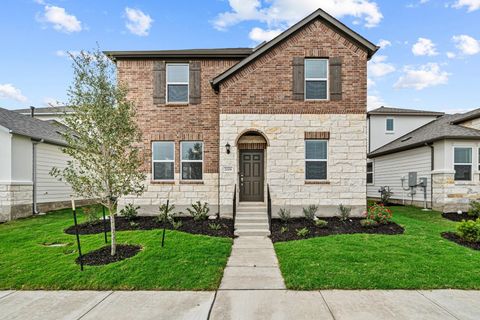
[289,114]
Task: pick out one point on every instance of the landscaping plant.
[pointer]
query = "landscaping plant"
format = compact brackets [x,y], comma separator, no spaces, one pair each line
[368,223]
[310,211]
[215,226]
[302,233]
[321,223]
[103,137]
[283,229]
[166,213]
[91,213]
[474,210]
[284,215]
[379,213]
[385,195]
[344,212]
[469,230]
[199,212]
[130,212]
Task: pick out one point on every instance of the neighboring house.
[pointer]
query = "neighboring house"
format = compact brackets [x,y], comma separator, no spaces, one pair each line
[445,151]
[29,149]
[288,116]
[46,113]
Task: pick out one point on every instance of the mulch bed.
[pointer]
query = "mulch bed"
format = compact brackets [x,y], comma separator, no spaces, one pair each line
[150,223]
[335,226]
[454,216]
[452,236]
[102,256]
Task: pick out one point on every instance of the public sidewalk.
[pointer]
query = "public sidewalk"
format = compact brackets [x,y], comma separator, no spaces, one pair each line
[241,304]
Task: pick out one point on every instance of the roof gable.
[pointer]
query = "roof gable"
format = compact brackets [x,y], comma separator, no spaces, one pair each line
[319,13]
[404,112]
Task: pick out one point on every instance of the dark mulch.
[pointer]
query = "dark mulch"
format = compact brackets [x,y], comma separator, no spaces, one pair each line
[335,226]
[102,256]
[452,236]
[454,216]
[150,223]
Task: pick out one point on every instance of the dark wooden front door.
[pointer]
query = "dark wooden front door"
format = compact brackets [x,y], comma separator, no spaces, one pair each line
[251,175]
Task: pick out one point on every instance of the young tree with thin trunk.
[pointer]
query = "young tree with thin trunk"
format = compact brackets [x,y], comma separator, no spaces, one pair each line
[104,137]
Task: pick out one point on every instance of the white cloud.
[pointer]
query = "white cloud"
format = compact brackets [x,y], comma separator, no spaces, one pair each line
[384,43]
[8,91]
[424,47]
[378,67]
[280,14]
[471,4]
[374,101]
[138,22]
[260,35]
[427,75]
[451,55]
[466,44]
[66,54]
[60,19]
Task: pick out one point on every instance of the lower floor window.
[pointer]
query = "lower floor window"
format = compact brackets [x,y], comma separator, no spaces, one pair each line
[462,163]
[316,159]
[370,172]
[163,160]
[192,160]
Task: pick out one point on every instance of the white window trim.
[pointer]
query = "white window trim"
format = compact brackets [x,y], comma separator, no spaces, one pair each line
[372,172]
[316,79]
[155,161]
[462,164]
[386,126]
[315,160]
[173,83]
[182,161]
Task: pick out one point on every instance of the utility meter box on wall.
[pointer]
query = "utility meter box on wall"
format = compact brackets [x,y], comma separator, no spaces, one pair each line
[412,179]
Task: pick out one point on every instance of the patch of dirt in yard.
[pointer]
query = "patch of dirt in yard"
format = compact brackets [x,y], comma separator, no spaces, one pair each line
[452,236]
[335,226]
[453,216]
[149,223]
[102,256]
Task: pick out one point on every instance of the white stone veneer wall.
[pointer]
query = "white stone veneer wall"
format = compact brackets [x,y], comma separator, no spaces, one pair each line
[181,195]
[285,160]
[15,201]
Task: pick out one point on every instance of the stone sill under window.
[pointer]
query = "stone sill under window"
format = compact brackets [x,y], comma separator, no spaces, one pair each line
[182,104]
[317,182]
[465,183]
[191,182]
[161,182]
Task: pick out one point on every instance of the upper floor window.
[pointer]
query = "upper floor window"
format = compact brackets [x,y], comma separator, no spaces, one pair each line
[192,160]
[370,172]
[389,125]
[316,79]
[163,160]
[177,82]
[316,159]
[462,163]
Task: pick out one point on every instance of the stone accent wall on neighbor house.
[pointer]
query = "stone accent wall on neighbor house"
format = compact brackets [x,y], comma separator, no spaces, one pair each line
[15,201]
[450,195]
[285,160]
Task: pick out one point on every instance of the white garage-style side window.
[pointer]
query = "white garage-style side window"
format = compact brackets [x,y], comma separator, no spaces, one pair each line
[163,160]
[177,83]
[462,163]
[389,125]
[316,158]
[316,79]
[370,172]
[192,160]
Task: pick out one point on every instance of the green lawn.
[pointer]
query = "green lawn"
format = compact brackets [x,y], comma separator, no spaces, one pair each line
[187,262]
[420,258]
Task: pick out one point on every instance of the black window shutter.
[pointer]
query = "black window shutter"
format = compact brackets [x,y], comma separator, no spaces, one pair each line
[335,79]
[298,78]
[195,82]
[159,82]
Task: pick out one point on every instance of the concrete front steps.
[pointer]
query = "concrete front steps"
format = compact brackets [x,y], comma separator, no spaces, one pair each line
[252,219]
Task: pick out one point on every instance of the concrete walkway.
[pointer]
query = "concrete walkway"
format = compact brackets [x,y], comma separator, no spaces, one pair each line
[241,304]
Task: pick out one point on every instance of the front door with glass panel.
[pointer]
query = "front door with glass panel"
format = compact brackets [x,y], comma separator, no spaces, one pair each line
[251,175]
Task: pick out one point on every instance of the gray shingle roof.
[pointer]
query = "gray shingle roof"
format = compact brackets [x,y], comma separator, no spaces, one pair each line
[238,53]
[405,112]
[444,127]
[30,127]
[46,110]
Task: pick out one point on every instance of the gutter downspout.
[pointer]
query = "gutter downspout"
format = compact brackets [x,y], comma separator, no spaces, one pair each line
[34,175]
[432,167]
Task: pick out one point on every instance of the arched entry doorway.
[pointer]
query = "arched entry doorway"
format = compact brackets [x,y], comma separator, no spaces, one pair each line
[251,147]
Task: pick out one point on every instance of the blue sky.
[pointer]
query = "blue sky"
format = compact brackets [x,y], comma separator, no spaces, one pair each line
[430,56]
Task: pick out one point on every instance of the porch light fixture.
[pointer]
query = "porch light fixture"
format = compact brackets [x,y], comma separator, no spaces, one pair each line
[227,148]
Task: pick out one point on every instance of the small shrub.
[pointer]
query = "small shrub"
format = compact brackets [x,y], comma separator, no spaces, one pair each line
[469,230]
[176,224]
[133,224]
[321,223]
[129,212]
[368,223]
[385,195]
[344,212]
[302,233]
[215,226]
[199,211]
[283,229]
[309,212]
[379,213]
[284,215]
[90,213]
[474,210]
[166,213]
